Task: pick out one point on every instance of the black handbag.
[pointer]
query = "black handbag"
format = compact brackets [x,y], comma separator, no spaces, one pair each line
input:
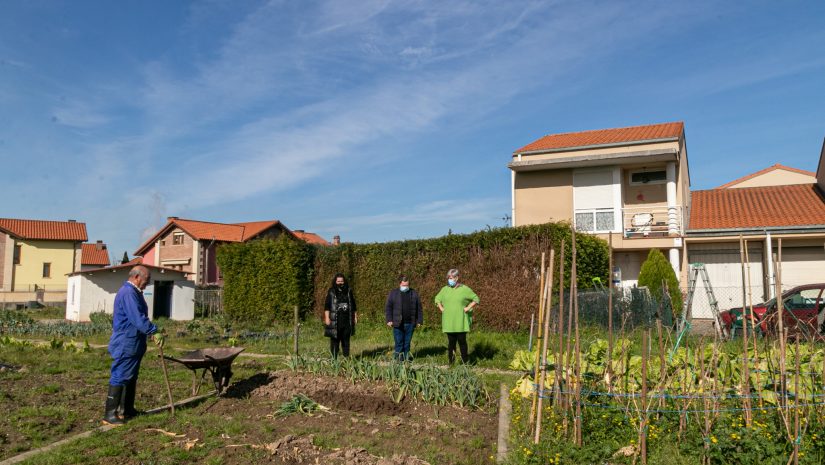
[329,331]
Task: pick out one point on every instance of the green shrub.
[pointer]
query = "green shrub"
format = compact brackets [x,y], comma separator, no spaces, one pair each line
[264,279]
[655,271]
[101,318]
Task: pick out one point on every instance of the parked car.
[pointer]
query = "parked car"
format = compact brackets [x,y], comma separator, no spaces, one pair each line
[802,309]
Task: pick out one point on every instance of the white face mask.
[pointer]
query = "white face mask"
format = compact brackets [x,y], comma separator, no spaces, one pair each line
[451,282]
[404,288]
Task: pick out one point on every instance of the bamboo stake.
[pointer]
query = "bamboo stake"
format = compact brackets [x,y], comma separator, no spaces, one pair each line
[753,323]
[530,339]
[796,406]
[643,422]
[577,371]
[782,341]
[609,373]
[560,329]
[568,353]
[544,351]
[538,341]
[744,385]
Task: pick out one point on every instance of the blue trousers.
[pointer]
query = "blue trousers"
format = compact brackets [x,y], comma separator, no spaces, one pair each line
[403,335]
[124,369]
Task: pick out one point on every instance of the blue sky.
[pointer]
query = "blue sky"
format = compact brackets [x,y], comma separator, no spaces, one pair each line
[376,120]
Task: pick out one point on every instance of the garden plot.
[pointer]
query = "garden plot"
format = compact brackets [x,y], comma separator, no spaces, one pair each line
[53,393]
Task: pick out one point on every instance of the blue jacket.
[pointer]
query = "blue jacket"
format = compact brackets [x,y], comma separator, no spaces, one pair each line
[392,309]
[131,324]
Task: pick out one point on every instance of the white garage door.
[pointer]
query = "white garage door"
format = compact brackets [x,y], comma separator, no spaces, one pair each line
[725,273]
[802,265]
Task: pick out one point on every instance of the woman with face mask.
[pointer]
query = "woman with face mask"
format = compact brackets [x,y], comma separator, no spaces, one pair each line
[339,316]
[456,302]
[403,314]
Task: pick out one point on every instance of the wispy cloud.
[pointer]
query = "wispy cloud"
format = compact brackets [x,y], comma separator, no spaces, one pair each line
[274,153]
[478,212]
[79,114]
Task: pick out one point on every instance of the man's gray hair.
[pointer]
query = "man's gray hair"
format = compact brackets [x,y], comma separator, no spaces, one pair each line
[139,271]
[453,273]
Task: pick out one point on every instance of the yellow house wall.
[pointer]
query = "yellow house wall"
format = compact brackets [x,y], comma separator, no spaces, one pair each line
[776,178]
[542,196]
[63,255]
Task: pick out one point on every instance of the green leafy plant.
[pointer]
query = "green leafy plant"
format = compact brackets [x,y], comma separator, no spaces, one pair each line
[299,404]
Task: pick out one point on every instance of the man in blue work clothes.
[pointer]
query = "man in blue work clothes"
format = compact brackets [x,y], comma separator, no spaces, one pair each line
[130,328]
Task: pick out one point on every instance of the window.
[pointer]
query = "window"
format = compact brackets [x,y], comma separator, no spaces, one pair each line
[595,193]
[47,270]
[163,242]
[177,238]
[17,250]
[648,177]
[595,220]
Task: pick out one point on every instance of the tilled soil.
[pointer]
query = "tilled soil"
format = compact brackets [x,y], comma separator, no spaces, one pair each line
[362,426]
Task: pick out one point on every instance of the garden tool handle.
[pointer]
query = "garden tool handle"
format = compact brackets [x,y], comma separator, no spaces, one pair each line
[166,378]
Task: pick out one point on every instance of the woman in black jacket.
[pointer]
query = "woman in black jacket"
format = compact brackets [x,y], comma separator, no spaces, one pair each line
[339,315]
[403,313]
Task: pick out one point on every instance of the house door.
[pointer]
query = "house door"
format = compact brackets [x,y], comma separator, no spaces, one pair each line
[163,299]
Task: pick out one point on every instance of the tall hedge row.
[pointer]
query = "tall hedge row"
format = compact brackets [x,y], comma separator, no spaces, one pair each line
[264,279]
[500,265]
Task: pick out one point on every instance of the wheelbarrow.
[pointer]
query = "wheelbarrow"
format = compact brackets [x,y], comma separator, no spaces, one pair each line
[216,361]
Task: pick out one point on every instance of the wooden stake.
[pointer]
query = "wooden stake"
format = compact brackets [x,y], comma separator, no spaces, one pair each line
[538,342]
[297,331]
[753,320]
[643,422]
[609,373]
[544,351]
[744,385]
[560,329]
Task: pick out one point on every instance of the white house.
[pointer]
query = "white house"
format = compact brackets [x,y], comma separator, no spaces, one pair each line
[170,294]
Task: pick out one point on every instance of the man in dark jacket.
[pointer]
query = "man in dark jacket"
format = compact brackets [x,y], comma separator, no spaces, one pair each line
[130,327]
[404,313]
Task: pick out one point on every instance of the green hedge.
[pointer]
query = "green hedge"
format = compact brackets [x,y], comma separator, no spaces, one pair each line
[500,265]
[264,279]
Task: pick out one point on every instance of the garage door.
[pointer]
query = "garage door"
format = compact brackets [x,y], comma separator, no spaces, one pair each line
[802,265]
[725,273]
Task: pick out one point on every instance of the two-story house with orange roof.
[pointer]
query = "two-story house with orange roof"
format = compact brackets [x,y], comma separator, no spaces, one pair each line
[631,184]
[190,245]
[36,255]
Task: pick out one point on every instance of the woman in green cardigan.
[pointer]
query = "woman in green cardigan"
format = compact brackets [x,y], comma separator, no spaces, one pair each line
[456,302]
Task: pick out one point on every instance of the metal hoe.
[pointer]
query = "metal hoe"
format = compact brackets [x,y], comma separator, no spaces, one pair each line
[166,377]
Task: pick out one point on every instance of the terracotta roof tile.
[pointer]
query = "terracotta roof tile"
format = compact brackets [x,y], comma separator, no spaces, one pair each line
[605,136]
[45,230]
[311,238]
[765,171]
[755,207]
[92,254]
[222,232]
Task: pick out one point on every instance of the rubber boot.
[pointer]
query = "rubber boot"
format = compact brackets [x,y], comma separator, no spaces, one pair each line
[110,416]
[127,401]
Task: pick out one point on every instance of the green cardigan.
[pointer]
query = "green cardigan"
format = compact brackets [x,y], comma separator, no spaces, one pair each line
[454,299]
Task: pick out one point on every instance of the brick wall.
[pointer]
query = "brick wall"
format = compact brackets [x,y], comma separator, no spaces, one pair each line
[170,251]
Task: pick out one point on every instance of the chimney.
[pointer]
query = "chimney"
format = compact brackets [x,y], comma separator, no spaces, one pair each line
[99,245]
[298,230]
[72,221]
[171,218]
[336,240]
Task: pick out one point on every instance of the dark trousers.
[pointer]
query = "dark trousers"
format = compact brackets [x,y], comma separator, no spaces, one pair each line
[452,338]
[403,335]
[336,342]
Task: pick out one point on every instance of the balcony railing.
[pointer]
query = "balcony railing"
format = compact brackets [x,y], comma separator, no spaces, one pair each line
[660,221]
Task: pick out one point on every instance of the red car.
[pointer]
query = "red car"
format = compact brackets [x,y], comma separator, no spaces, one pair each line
[802,309]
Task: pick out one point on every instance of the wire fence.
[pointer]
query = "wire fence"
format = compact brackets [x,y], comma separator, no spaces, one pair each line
[208,302]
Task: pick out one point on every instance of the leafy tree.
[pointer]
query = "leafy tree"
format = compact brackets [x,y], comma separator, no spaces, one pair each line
[656,273]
